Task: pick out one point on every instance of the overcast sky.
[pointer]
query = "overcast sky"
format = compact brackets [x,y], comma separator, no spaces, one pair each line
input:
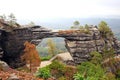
[48,9]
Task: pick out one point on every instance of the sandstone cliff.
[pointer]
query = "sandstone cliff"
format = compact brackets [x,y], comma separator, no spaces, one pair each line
[79,44]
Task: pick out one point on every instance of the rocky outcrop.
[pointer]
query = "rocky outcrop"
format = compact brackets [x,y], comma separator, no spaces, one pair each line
[12,43]
[79,44]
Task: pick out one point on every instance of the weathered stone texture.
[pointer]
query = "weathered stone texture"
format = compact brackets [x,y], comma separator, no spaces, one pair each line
[78,44]
[12,43]
[82,44]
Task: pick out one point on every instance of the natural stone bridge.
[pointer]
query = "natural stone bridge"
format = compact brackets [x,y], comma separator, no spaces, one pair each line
[78,44]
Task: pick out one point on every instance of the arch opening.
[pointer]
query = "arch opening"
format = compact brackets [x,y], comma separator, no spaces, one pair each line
[58,43]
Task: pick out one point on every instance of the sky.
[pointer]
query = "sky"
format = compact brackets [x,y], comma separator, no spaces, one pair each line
[33,10]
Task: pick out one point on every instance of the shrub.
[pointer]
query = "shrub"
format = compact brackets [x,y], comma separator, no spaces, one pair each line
[91,78]
[105,30]
[70,71]
[57,69]
[89,70]
[110,76]
[57,66]
[44,73]
[62,78]
[78,76]
[118,73]
[96,57]
[45,58]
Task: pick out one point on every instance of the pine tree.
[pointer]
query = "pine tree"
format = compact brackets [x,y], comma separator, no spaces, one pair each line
[31,56]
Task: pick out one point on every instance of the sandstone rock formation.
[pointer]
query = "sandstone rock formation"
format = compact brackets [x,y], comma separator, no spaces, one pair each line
[81,44]
[78,44]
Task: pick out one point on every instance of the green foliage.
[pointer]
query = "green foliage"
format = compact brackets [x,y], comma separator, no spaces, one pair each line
[96,57]
[83,29]
[62,78]
[57,66]
[3,17]
[76,23]
[90,70]
[109,76]
[43,73]
[118,73]
[108,53]
[42,48]
[87,31]
[105,30]
[45,58]
[91,78]
[51,47]
[78,76]
[43,51]
[72,27]
[57,69]
[12,19]
[69,72]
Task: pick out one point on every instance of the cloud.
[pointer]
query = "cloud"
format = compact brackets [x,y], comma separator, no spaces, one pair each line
[45,9]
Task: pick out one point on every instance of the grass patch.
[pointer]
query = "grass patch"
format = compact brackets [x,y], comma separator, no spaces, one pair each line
[45,58]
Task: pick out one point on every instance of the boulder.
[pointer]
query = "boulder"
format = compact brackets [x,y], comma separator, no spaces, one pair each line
[4,66]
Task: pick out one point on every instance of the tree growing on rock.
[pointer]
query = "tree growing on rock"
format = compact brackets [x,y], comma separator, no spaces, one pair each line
[31,56]
[76,25]
[12,19]
[104,29]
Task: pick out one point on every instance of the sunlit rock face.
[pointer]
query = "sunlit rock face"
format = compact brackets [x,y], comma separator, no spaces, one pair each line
[78,44]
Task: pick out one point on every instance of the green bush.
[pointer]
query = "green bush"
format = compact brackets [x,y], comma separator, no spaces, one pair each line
[91,78]
[62,78]
[44,73]
[78,76]
[70,71]
[109,76]
[105,30]
[45,58]
[96,57]
[89,69]
[56,65]
[57,69]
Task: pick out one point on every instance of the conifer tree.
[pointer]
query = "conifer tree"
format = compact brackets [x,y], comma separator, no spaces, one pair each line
[31,56]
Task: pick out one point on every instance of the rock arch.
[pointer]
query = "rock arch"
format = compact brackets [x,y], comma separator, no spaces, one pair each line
[78,44]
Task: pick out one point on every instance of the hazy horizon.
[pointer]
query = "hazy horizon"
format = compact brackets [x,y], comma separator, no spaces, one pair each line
[47,10]
[62,13]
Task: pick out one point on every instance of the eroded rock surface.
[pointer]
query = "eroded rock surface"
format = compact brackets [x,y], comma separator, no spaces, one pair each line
[78,44]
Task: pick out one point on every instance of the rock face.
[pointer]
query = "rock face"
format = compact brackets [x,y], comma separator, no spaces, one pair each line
[78,44]
[12,43]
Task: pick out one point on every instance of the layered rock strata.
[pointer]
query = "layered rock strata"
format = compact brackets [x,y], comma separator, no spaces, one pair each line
[78,43]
